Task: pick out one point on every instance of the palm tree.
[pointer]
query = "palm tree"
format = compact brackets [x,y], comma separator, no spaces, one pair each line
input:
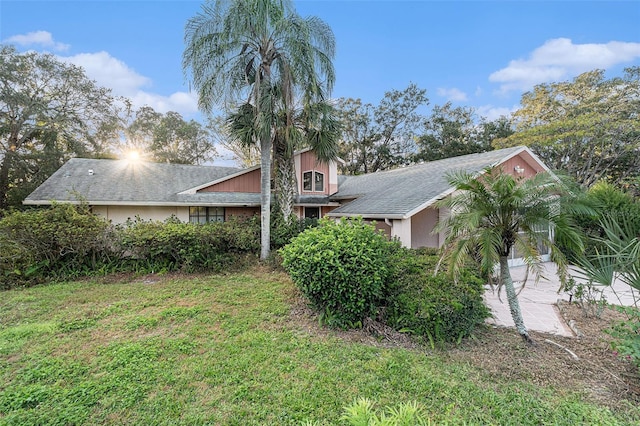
[309,125]
[494,213]
[253,53]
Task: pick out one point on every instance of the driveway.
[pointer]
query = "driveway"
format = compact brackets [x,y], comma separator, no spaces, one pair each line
[538,302]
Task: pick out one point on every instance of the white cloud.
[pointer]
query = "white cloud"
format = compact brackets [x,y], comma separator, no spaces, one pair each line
[491,112]
[113,73]
[559,59]
[182,102]
[453,94]
[39,38]
[109,72]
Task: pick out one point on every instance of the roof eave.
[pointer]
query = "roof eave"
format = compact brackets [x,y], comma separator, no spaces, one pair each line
[367,215]
[140,203]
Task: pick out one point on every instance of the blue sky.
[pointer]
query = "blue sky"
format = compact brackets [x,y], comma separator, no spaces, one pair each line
[482,54]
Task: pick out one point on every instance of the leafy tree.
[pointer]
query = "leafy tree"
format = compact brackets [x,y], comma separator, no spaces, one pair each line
[497,213]
[491,130]
[378,138]
[178,141]
[159,137]
[588,127]
[254,53]
[49,111]
[450,132]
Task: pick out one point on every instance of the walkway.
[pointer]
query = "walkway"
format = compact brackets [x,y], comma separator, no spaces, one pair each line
[538,302]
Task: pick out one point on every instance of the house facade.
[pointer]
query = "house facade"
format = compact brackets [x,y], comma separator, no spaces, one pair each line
[399,201]
[121,190]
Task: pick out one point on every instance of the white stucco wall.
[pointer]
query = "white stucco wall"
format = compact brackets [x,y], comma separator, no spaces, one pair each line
[422,224]
[120,214]
[402,230]
[443,213]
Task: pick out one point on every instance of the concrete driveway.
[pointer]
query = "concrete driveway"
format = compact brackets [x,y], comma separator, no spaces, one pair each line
[539,301]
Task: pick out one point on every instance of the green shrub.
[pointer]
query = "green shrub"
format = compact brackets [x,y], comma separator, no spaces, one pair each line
[171,245]
[242,235]
[282,231]
[67,241]
[342,267]
[627,334]
[433,305]
[55,241]
[362,413]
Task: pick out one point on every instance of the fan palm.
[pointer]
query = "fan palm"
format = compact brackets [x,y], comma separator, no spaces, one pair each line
[310,125]
[618,255]
[495,213]
[255,53]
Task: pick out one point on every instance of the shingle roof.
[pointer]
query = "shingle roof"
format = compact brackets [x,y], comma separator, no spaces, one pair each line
[400,193]
[122,182]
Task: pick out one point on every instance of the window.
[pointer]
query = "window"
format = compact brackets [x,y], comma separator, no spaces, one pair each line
[318,182]
[306,181]
[312,212]
[313,181]
[206,214]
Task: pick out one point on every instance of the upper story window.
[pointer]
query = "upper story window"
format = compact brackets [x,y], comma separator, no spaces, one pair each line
[313,181]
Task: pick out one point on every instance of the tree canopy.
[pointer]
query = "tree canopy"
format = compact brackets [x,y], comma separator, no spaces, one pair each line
[49,111]
[589,127]
[376,138]
[163,137]
[452,131]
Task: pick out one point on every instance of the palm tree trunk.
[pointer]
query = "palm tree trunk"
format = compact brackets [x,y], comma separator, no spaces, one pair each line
[512,298]
[287,190]
[265,197]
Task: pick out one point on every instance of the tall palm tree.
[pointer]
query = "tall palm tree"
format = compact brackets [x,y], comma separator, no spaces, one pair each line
[249,53]
[494,213]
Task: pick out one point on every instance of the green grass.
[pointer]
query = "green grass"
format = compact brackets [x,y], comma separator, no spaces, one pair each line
[222,350]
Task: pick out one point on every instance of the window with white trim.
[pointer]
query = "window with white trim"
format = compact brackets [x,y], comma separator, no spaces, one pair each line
[318,182]
[202,214]
[313,181]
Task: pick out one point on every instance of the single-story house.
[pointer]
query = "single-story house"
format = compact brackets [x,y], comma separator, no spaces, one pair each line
[400,201]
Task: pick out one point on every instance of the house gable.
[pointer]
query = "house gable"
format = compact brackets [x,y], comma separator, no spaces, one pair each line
[248,181]
[523,163]
[403,192]
[309,169]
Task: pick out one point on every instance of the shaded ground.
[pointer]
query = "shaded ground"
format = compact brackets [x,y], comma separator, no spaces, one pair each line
[598,372]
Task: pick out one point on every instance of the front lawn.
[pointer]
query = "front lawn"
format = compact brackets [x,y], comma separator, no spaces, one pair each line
[233,350]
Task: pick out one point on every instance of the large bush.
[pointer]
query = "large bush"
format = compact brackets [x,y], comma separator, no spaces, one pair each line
[342,267]
[433,305]
[173,245]
[68,241]
[350,271]
[59,240]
